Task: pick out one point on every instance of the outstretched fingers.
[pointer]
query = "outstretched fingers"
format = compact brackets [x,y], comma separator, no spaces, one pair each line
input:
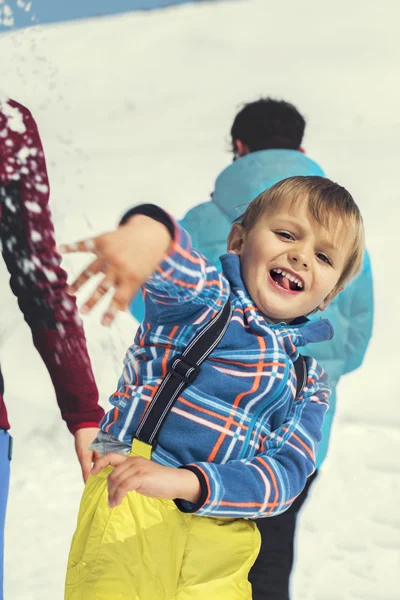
[91,270]
[125,291]
[105,285]
[88,245]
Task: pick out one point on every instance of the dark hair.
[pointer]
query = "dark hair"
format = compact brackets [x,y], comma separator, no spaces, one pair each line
[268,124]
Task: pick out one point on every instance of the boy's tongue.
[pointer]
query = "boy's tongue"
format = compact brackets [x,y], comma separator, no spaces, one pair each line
[283,281]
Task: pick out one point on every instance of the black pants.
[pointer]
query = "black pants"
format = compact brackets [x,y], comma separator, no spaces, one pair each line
[270,574]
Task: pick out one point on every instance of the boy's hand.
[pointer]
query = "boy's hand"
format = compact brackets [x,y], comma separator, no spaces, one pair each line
[134,473]
[127,257]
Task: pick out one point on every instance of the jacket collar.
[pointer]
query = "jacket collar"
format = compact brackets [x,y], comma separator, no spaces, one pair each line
[301,330]
[250,175]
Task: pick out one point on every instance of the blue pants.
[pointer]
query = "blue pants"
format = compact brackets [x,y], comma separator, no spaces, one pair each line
[5,457]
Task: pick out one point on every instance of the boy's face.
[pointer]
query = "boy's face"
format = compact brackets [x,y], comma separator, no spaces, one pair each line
[291,263]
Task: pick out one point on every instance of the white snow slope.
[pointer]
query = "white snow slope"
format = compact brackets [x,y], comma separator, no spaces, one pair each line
[138,108]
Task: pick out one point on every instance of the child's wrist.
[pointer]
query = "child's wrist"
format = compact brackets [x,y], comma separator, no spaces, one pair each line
[189,487]
[157,230]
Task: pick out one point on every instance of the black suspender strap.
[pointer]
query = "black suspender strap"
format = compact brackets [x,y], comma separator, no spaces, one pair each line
[301,373]
[182,371]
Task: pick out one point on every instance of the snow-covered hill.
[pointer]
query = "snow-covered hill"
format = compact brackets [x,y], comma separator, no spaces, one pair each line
[138,108]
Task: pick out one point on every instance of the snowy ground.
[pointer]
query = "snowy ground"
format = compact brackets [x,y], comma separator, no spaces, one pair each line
[138,108]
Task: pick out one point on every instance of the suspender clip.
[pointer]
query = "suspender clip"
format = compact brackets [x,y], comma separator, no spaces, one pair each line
[183,369]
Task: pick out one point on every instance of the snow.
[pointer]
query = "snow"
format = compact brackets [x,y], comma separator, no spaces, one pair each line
[14,118]
[138,108]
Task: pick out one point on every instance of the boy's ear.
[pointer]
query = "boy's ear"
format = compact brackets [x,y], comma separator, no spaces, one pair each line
[235,239]
[241,148]
[331,296]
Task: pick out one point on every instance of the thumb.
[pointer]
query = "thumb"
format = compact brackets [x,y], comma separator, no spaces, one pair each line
[86,460]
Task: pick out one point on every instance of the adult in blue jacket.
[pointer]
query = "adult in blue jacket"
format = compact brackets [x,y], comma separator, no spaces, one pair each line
[266,141]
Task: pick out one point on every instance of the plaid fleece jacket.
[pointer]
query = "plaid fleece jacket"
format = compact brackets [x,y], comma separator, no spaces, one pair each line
[238,427]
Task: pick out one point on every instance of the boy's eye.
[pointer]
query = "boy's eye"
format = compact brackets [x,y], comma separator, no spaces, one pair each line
[285,235]
[324,258]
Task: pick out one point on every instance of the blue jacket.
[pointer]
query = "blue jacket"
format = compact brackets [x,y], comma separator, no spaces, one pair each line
[350,313]
[239,426]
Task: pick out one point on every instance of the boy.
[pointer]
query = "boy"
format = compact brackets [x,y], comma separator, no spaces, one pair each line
[266,138]
[237,443]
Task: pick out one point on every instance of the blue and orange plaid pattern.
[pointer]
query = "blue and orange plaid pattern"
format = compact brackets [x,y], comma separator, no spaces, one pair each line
[239,426]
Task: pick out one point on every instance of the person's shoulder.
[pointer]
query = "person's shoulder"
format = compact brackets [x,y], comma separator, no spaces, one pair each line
[204,210]
[14,104]
[206,220]
[17,118]
[9,106]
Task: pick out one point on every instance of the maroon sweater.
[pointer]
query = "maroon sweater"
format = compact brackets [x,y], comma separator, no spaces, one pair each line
[28,248]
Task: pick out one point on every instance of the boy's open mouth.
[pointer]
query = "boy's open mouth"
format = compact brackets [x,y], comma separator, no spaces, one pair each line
[286,280]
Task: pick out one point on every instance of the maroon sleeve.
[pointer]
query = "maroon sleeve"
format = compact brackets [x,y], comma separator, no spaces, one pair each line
[28,247]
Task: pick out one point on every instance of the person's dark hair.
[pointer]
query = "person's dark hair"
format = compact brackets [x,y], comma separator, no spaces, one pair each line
[268,124]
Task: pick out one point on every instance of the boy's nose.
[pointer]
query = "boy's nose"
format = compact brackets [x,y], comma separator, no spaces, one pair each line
[299,259]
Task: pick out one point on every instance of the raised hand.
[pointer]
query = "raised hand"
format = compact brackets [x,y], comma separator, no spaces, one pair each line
[127,257]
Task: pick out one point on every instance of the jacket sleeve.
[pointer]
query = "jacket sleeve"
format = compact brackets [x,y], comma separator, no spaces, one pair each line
[183,277]
[28,247]
[359,310]
[196,224]
[268,483]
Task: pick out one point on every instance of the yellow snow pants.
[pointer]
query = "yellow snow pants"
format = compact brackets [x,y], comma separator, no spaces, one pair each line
[146,549]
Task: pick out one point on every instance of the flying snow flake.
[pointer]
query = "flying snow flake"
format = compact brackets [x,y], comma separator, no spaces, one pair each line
[7,13]
[68,305]
[6,16]
[51,276]
[33,207]
[35,236]
[42,188]
[61,329]
[25,153]
[26,265]
[10,205]
[15,120]
[26,6]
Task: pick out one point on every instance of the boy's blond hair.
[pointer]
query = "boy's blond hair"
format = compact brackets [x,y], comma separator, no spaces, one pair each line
[325,199]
